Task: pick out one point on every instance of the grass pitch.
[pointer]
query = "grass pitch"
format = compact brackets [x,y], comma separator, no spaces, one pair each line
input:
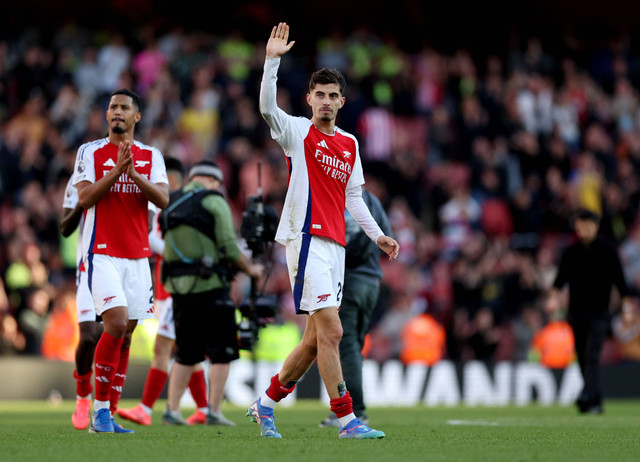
[38,431]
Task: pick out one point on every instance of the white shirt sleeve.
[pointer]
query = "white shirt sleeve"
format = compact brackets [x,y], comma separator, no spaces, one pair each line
[156,243]
[275,117]
[158,169]
[70,195]
[356,178]
[360,212]
[83,170]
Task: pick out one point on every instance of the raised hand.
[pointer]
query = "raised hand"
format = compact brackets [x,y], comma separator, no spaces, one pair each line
[277,44]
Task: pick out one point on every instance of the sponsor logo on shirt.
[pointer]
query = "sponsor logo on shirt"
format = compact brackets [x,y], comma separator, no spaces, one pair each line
[323,144]
[334,167]
[109,163]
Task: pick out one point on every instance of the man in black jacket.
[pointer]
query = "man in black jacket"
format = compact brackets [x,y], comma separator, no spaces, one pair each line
[590,268]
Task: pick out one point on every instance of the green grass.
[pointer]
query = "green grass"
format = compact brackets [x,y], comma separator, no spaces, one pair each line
[37,431]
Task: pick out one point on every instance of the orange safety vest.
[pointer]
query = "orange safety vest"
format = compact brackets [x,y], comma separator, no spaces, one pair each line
[423,340]
[60,337]
[555,344]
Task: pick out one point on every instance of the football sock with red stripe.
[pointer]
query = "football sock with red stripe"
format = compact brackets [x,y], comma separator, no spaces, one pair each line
[153,386]
[119,379]
[343,409]
[198,389]
[83,384]
[276,392]
[107,358]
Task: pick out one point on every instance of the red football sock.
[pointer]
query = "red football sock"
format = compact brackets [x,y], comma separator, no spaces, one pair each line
[153,386]
[342,406]
[278,391]
[118,380]
[198,388]
[83,383]
[107,358]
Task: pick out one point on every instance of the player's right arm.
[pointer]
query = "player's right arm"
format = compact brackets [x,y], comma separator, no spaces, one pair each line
[71,210]
[70,220]
[89,193]
[276,47]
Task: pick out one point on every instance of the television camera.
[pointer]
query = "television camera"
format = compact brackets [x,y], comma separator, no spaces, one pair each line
[258,229]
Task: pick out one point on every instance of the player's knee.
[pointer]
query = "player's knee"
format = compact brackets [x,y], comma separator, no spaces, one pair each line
[89,334]
[331,334]
[162,350]
[310,346]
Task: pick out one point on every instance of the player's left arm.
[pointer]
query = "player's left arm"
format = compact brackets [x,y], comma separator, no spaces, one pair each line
[156,188]
[361,213]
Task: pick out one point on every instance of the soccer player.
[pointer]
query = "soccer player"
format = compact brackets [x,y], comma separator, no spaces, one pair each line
[361,290]
[166,336]
[325,175]
[90,329]
[116,177]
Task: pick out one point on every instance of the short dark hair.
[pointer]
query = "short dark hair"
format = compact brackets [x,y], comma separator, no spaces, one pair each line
[174,165]
[326,76]
[134,97]
[584,213]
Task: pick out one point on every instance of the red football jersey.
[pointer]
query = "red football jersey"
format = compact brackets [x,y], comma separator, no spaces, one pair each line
[118,225]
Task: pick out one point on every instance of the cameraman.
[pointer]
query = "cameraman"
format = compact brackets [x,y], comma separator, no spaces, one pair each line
[200,243]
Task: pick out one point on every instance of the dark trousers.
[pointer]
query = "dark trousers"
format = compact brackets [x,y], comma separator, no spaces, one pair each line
[359,300]
[590,334]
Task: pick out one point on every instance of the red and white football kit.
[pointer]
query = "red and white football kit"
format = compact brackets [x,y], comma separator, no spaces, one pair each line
[84,301]
[325,175]
[162,299]
[115,242]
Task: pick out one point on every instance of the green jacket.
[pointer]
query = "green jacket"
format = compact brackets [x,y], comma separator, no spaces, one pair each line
[221,243]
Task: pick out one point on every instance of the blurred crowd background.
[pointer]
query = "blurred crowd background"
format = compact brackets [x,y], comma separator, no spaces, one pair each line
[480,154]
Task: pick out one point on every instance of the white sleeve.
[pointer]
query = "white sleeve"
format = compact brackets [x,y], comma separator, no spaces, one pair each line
[83,169]
[275,117]
[360,212]
[356,178]
[70,195]
[156,243]
[158,169]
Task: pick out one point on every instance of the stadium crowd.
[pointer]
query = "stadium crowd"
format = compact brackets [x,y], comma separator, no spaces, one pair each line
[479,161]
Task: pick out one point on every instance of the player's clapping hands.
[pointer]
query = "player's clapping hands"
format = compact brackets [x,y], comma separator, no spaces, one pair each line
[125,157]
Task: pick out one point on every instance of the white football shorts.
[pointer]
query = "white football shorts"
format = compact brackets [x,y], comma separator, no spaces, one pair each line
[316,272]
[164,315]
[117,281]
[84,302]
